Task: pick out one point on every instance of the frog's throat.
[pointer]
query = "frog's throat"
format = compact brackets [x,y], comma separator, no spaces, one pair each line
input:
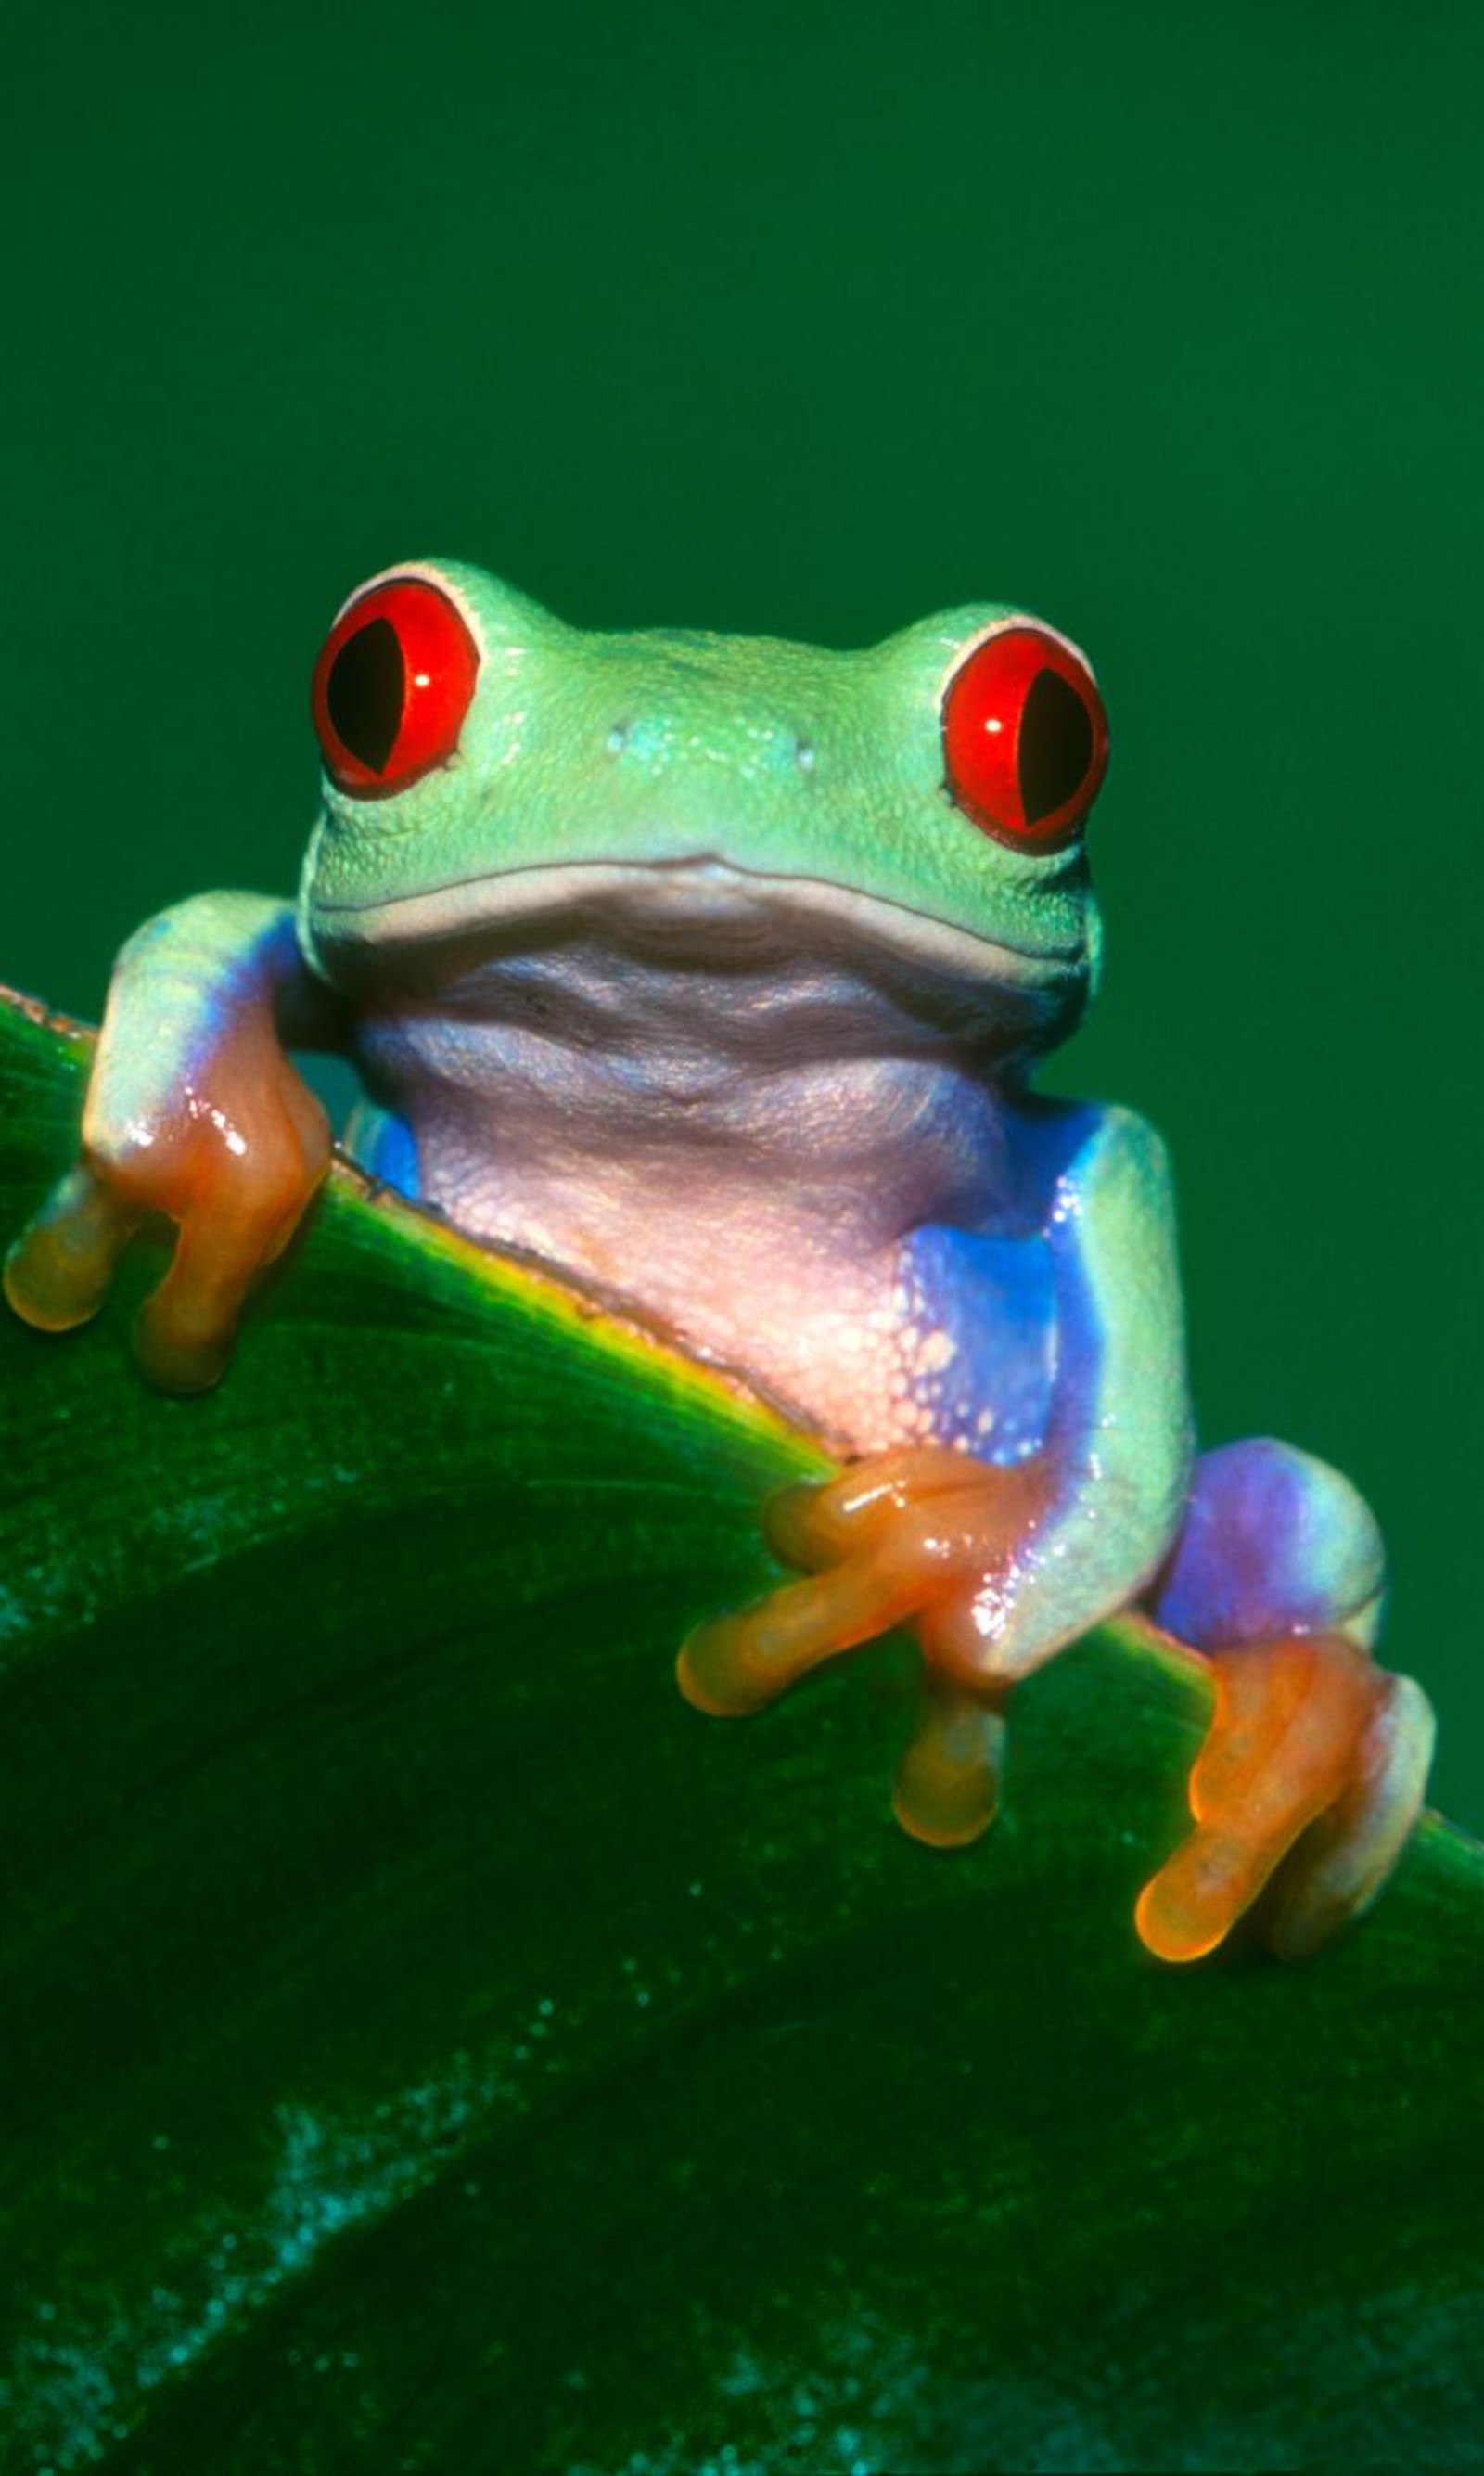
[703,899]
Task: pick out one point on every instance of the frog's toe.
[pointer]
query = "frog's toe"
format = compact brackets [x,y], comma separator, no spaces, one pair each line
[187,1328]
[59,1272]
[818,1521]
[185,1332]
[734,1665]
[1299,1739]
[921,1535]
[946,1789]
[1343,1859]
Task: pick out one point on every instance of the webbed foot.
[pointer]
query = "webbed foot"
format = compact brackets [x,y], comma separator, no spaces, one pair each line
[925,1536]
[1304,1793]
[233,1158]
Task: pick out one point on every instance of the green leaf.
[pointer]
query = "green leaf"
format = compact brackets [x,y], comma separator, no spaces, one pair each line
[429,2044]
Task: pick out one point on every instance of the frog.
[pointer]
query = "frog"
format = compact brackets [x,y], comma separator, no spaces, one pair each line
[714,972]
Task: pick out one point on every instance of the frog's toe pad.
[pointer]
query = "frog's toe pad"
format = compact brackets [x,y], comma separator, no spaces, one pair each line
[1309,1781]
[58,1273]
[179,1351]
[733,1666]
[946,1791]
[711,1672]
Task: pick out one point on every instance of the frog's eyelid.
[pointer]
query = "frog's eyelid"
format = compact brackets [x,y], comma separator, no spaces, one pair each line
[418,571]
[969,646]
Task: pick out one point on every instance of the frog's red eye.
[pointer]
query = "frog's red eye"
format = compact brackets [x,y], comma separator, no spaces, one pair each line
[392,686]
[1025,737]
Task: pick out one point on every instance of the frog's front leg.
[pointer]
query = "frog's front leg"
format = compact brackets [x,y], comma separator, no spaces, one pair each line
[194,1111]
[998,1566]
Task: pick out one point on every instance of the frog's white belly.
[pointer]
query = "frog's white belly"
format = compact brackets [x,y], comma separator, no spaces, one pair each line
[740,1156]
[820,1326]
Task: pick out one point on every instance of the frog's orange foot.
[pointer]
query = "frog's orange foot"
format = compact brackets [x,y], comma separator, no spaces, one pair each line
[1303,1795]
[922,1536]
[233,1165]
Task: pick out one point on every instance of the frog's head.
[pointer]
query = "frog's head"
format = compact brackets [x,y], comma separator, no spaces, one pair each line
[490,773]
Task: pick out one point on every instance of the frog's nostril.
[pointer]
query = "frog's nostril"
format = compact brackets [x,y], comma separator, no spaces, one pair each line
[618,738]
[803,755]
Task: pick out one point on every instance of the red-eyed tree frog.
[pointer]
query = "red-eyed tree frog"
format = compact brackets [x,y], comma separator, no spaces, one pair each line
[713,971]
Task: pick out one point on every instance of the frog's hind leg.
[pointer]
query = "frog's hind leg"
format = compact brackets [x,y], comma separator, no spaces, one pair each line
[1313,1773]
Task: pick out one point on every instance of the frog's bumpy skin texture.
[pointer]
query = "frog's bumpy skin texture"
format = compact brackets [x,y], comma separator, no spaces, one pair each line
[690,970]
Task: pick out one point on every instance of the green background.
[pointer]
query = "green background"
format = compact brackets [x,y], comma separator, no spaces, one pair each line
[811,321]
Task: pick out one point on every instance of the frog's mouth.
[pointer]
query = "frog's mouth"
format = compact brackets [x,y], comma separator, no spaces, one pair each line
[699,914]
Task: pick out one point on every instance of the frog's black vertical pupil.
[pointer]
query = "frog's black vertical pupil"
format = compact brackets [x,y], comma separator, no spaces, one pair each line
[1056,746]
[365,692]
